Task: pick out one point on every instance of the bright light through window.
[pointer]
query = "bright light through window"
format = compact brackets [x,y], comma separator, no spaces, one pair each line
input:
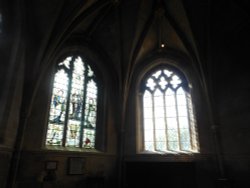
[168,119]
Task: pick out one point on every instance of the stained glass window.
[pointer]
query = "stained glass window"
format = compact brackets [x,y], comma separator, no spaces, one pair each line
[168,120]
[73,107]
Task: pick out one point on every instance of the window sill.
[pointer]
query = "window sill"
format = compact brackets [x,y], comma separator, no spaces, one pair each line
[71,149]
[167,156]
[169,152]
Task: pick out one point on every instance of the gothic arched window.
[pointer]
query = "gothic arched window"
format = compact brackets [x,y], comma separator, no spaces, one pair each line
[73,106]
[168,120]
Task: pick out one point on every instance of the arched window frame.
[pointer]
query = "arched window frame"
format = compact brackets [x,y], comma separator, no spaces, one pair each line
[144,73]
[100,121]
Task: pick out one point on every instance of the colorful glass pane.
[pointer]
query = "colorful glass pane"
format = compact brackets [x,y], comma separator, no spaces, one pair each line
[89,138]
[90,114]
[73,133]
[73,88]
[57,109]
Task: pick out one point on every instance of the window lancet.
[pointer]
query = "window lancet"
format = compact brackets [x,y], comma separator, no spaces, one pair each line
[168,119]
[73,107]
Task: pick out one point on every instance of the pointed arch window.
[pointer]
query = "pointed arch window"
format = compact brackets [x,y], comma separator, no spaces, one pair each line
[73,108]
[168,119]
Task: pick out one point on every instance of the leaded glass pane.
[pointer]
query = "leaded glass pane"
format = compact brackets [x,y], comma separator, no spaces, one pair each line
[148,119]
[90,72]
[91,105]
[185,146]
[90,114]
[149,146]
[157,74]
[57,109]
[168,118]
[181,97]
[147,99]
[158,104]
[175,81]
[170,97]
[151,84]
[172,135]
[89,138]
[184,135]
[74,89]
[76,99]
[185,139]
[66,63]
[171,111]
[182,111]
[160,123]
[171,123]
[149,135]
[75,105]
[148,124]
[168,73]
[163,83]
[73,133]
[173,145]
[160,135]
[54,134]
[183,122]
[161,146]
[148,112]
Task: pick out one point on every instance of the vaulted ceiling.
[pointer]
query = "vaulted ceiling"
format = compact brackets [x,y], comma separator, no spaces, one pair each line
[127,31]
